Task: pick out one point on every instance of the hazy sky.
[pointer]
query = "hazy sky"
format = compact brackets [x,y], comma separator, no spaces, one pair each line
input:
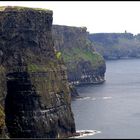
[96,16]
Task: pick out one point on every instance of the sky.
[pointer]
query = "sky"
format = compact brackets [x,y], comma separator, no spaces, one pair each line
[97,16]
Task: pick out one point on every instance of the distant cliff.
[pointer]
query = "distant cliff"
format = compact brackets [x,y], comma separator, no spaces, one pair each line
[84,65]
[33,83]
[116,45]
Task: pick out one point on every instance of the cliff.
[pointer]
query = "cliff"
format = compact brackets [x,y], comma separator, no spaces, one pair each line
[33,84]
[84,65]
[2,122]
[116,45]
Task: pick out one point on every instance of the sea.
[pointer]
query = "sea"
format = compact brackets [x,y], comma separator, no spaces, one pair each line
[111,109]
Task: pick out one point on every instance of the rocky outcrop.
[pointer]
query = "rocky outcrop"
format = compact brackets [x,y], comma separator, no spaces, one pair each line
[116,45]
[74,92]
[84,64]
[34,80]
[2,122]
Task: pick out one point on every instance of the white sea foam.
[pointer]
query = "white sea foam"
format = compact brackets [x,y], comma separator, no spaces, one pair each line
[93,98]
[83,98]
[84,133]
[105,98]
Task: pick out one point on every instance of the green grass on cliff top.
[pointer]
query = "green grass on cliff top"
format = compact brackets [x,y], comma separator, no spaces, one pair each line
[78,54]
[21,8]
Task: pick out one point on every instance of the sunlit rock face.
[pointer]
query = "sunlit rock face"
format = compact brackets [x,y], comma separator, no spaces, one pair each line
[38,102]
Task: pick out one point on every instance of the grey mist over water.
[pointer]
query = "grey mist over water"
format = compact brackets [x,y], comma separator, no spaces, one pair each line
[113,107]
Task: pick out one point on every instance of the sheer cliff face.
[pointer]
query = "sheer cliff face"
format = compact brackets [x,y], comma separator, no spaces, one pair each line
[37,101]
[83,63]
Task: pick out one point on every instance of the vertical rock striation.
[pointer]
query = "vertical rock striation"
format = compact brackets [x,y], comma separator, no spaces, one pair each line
[38,103]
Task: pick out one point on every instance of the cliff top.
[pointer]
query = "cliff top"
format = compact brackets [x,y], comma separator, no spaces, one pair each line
[69,27]
[21,9]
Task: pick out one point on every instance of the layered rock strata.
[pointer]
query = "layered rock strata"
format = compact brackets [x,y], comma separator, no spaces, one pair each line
[38,102]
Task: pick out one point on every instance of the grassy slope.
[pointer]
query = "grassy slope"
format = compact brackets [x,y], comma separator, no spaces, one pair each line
[77,54]
[75,46]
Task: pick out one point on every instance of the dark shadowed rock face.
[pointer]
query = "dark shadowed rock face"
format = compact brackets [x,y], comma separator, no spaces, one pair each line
[28,116]
[38,99]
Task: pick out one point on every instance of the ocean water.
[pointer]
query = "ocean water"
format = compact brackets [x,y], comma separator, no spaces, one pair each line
[113,108]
